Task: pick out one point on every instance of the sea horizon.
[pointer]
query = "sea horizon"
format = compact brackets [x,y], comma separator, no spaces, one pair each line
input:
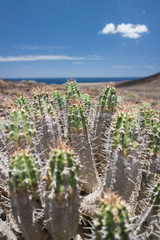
[63,80]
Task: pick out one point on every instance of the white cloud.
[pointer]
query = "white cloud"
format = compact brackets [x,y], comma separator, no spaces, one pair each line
[131,31]
[126,30]
[27,58]
[37,58]
[109,28]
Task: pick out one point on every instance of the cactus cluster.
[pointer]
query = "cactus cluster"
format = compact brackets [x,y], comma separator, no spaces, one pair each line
[73,169]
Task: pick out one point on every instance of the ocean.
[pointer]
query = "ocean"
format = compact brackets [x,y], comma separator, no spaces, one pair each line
[79,80]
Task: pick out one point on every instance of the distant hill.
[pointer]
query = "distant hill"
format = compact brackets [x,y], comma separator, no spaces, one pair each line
[150,81]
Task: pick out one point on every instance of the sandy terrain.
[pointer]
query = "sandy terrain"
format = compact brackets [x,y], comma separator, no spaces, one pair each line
[137,91]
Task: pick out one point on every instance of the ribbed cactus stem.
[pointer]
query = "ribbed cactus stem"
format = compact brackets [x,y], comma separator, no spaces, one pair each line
[41,103]
[108,99]
[156,196]
[158,144]
[153,149]
[79,140]
[150,159]
[19,130]
[72,91]
[59,101]
[62,165]
[116,133]
[146,116]
[101,131]
[23,103]
[62,198]
[77,122]
[59,105]
[45,103]
[23,173]
[27,128]
[24,195]
[126,138]
[123,163]
[150,132]
[86,99]
[112,219]
[15,127]
[46,128]
[148,224]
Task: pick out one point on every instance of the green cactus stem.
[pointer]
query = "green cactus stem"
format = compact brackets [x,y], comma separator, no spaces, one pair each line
[72,91]
[112,219]
[63,170]
[59,106]
[24,195]
[59,101]
[148,224]
[19,130]
[108,99]
[101,130]
[23,175]
[156,196]
[37,128]
[22,103]
[41,103]
[77,122]
[86,99]
[62,198]
[79,140]
[123,161]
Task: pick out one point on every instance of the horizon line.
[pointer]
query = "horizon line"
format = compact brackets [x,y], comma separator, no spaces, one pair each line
[32,78]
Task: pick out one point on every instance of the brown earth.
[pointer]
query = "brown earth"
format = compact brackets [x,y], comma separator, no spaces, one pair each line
[137,91]
[144,89]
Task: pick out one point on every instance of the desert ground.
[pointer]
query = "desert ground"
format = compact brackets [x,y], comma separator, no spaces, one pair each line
[137,91]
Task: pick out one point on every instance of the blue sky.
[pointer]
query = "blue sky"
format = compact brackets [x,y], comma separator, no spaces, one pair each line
[79,38]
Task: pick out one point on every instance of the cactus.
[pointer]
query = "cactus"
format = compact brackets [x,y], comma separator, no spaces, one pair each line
[112,220]
[72,91]
[104,113]
[71,168]
[79,140]
[23,189]
[62,197]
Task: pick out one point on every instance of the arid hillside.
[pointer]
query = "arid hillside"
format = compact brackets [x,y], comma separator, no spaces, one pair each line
[152,81]
[144,89]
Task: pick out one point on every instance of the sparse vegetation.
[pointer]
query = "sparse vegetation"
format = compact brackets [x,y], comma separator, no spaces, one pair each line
[74,168]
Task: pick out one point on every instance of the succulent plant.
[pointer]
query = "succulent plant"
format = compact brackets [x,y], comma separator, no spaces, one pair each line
[112,220]
[71,168]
